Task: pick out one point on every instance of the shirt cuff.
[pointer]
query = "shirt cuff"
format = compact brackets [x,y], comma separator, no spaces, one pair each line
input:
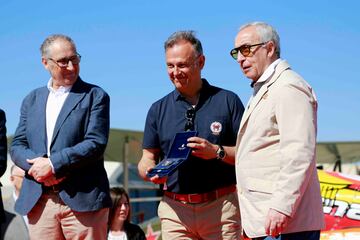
[52,166]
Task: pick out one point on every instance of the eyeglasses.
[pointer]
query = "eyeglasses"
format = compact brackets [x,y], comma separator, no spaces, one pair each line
[190,116]
[64,62]
[245,50]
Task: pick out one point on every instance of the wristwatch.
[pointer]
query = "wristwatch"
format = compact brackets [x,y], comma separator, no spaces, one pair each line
[220,153]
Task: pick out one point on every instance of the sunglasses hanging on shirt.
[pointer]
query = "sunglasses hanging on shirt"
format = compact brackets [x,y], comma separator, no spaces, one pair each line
[190,116]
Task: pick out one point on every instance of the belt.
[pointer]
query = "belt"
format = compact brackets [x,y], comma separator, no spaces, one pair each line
[201,197]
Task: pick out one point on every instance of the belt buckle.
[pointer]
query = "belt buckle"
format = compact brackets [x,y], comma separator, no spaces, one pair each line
[194,195]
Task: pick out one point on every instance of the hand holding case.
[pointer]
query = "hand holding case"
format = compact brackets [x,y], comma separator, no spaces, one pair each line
[178,154]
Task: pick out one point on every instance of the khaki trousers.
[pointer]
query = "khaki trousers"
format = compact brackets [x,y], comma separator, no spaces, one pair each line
[51,219]
[215,220]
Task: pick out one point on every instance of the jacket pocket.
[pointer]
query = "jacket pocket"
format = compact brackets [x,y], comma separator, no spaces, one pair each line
[259,185]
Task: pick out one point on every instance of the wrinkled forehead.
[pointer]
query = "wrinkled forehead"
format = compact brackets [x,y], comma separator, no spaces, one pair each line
[247,36]
[60,46]
[180,52]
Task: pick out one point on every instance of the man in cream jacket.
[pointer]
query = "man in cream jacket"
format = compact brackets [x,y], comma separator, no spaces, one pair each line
[278,187]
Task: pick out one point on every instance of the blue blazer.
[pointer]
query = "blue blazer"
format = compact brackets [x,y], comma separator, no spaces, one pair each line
[76,151]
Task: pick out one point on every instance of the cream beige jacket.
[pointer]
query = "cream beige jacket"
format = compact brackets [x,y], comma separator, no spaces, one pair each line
[275,156]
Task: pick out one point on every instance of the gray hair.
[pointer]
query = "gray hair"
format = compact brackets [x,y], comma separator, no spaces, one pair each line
[44,48]
[266,33]
[188,36]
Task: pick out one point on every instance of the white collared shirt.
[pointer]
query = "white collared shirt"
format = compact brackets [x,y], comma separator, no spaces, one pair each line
[266,75]
[262,80]
[54,105]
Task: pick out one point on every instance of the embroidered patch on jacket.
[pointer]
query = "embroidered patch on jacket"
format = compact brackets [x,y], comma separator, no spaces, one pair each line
[216,128]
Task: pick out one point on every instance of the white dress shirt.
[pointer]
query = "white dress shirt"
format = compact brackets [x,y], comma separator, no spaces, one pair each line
[54,104]
[263,78]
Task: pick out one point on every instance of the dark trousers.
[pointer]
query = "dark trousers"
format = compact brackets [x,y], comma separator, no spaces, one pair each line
[309,235]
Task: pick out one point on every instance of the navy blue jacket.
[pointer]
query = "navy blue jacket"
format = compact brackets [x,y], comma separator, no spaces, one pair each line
[76,151]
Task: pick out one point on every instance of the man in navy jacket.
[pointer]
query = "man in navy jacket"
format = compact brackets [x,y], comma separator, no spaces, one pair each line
[60,142]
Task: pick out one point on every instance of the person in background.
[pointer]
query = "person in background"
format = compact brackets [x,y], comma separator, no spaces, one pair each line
[278,186]
[59,143]
[3,161]
[119,225]
[200,200]
[16,225]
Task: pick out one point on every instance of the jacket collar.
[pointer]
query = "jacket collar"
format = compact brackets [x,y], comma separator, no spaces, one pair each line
[261,94]
[76,94]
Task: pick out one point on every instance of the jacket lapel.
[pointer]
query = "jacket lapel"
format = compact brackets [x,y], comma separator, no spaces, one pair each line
[75,96]
[283,65]
[41,111]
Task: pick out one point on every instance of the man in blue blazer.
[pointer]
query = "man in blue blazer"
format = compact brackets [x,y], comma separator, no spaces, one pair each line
[60,142]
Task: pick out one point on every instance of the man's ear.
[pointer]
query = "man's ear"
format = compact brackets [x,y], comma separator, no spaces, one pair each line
[45,62]
[271,48]
[201,61]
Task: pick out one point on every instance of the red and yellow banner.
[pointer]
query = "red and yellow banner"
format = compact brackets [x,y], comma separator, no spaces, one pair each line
[341,204]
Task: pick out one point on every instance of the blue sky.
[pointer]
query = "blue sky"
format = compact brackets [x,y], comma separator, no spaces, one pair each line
[121,43]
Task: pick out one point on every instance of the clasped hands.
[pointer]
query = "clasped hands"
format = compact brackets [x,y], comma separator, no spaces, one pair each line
[41,171]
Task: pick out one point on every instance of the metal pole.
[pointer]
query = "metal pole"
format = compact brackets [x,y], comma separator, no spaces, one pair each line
[125,164]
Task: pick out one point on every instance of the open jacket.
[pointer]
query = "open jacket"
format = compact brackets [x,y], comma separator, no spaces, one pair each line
[76,151]
[275,156]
